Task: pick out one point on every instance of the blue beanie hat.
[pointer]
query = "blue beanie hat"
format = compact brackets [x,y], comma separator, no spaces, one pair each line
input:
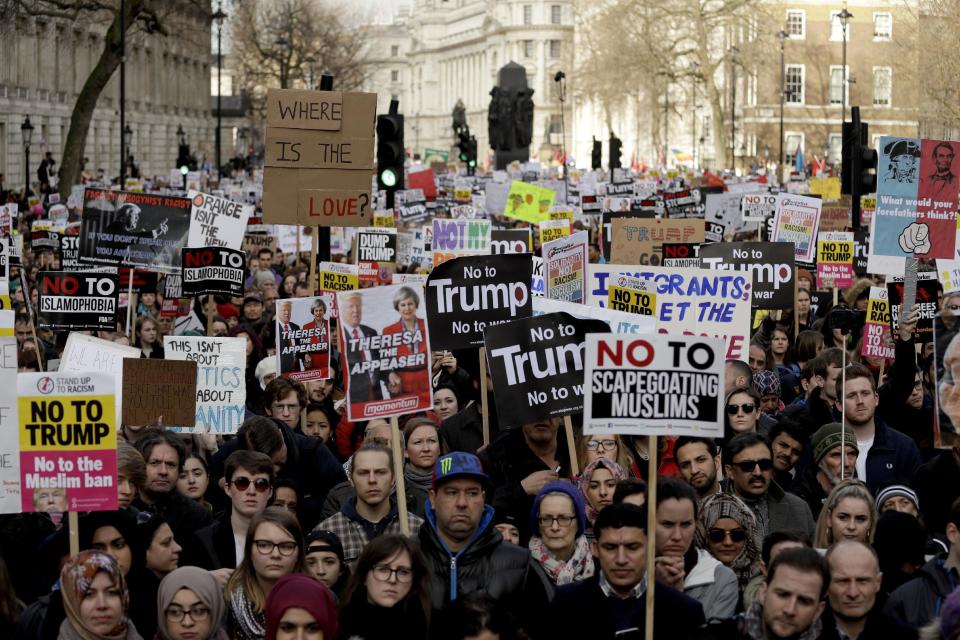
[566,488]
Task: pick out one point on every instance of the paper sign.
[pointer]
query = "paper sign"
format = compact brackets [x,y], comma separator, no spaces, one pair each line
[827,188]
[632,295]
[565,268]
[835,260]
[877,341]
[771,264]
[77,300]
[455,238]
[217,222]
[212,270]
[303,338]
[528,202]
[336,276]
[757,207]
[553,229]
[10,500]
[155,389]
[797,220]
[221,385]
[376,255]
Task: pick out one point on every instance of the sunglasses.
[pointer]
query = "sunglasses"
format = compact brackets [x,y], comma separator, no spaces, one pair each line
[243,483]
[732,409]
[717,535]
[748,465]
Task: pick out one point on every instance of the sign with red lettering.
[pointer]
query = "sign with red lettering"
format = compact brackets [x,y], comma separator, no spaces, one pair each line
[212,270]
[77,300]
[653,385]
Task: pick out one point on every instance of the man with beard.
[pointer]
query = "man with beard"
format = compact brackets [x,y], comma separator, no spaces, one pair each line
[748,463]
[699,461]
[942,181]
[832,447]
[886,456]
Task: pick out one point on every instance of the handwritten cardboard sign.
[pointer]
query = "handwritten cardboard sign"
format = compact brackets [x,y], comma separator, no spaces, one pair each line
[154,388]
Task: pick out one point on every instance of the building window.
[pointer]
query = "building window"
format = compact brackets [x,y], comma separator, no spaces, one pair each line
[836,27]
[528,14]
[394,51]
[528,48]
[394,76]
[797,24]
[835,152]
[555,14]
[792,142]
[882,86]
[554,48]
[837,89]
[793,85]
[882,25]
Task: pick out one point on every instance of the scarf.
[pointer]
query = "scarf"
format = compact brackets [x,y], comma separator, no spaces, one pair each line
[417,477]
[561,572]
[727,505]
[751,625]
[248,624]
[75,580]
[584,483]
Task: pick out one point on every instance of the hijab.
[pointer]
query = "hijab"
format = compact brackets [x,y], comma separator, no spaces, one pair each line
[75,580]
[204,586]
[303,592]
[584,483]
[727,505]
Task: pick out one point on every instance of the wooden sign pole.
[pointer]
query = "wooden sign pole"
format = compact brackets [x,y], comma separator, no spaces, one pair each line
[209,308]
[74,526]
[398,476]
[485,415]
[651,504]
[130,305]
[796,316]
[571,447]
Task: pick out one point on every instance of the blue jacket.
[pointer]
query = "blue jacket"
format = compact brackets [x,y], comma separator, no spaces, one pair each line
[893,458]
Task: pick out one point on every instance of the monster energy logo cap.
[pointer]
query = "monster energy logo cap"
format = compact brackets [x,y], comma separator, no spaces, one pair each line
[458,465]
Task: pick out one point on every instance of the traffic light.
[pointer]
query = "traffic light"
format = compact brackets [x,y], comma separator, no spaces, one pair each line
[596,156]
[858,171]
[390,151]
[615,147]
[467,150]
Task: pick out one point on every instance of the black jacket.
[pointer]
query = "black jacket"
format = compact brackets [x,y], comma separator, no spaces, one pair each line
[806,487]
[213,546]
[582,610]
[918,602]
[463,431]
[182,514]
[879,626]
[938,485]
[893,406]
[505,572]
[813,414]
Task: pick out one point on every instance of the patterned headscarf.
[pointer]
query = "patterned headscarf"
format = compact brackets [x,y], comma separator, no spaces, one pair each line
[75,580]
[727,505]
[584,483]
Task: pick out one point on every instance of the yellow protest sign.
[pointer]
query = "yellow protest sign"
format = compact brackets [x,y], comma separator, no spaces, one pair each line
[553,229]
[381,219]
[826,188]
[633,296]
[528,202]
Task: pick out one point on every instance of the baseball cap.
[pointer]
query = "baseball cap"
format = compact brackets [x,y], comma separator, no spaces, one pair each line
[458,465]
[256,297]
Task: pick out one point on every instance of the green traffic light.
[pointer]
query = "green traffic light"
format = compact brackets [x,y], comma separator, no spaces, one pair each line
[388,178]
[473,163]
[184,170]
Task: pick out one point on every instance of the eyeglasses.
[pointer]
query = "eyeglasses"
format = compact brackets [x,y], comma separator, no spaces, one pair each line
[608,445]
[749,465]
[243,483]
[717,535]
[285,408]
[266,547]
[383,573]
[732,409]
[563,521]
[197,613]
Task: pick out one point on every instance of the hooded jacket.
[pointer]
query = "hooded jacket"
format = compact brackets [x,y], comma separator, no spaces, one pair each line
[714,586]
[918,602]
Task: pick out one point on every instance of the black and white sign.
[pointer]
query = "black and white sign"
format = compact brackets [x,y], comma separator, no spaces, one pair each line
[771,264]
[77,300]
[212,270]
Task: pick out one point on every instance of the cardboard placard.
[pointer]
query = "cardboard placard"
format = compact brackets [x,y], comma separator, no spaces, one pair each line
[835,260]
[638,241]
[877,338]
[253,242]
[159,388]
[221,386]
[77,300]
[528,202]
[213,270]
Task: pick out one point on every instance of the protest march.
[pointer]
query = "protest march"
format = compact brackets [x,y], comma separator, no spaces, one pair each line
[345,390]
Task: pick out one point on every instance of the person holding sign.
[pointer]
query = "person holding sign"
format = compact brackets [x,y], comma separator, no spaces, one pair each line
[409,380]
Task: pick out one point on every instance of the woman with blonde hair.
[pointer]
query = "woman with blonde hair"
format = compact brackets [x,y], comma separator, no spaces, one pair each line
[611,447]
[849,513]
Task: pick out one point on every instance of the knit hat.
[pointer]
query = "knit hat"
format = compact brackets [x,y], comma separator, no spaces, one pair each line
[566,488]
[950,616]
[900,490]
[264,368]
[766,382]
[303,592]
[829,436]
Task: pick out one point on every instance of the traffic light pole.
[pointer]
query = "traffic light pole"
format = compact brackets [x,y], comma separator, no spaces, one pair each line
[323,233]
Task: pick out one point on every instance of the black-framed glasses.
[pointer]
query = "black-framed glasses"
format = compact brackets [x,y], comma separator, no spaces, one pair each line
[747,466]
[383,573]
[197,613]
[717,535]
[266,547]
[242,483]
[733,409]
[563,521]
[608,445]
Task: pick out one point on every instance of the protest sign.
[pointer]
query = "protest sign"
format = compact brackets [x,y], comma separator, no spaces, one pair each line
[835,260]
[44,240]
[528,202]
[877,340]
[537,366]
[9,440]
[68,442]
[632,295]
[77,300]
[553,229]
[770,263]
[466,295]
[318,157]
[384,219]
[565,266]
[385,351]
[221,386]
[681,254]
[376,255]
[723,210]
[212,270]
[797,220]
[827,188]
[510,241]
[697,302]
[618,321]
[455,238]
[336,276]
[217,222]
[253,242]
[133,229]
[948,271]
[69,252]
[424,180]
[86,353]
[303,338]
[835,217]
[653,385]
[537,286]
[757,207]
[639,241]
[926,301]
[412,211]
[164,390]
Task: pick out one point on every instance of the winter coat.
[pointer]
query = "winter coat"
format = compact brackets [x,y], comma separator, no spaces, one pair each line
[713,585]
[918,601]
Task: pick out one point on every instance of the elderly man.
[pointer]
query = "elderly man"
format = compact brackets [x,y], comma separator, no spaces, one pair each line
[833,447]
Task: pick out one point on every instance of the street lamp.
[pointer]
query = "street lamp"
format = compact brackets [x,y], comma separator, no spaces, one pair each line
[219,17]
[26,132]
[733,104]
[181,136]
[844,17]
[312,61]
[282,42]
[782,37]
[127,137]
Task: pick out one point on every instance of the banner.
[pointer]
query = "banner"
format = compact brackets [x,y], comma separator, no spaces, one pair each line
[77,300]
[68,442]
[565,265]
[133,229]
[835,260]
[303,338]
[528,202]
[221,385]
[797,220]
[695,302]
[537,366]
[10,501]
[877,340]
[376,255]
[638,241]
[212,270]
[217,222]
[385,351]
[771,264]
[455,238]
[159,388]
[654,385]
[466,295]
